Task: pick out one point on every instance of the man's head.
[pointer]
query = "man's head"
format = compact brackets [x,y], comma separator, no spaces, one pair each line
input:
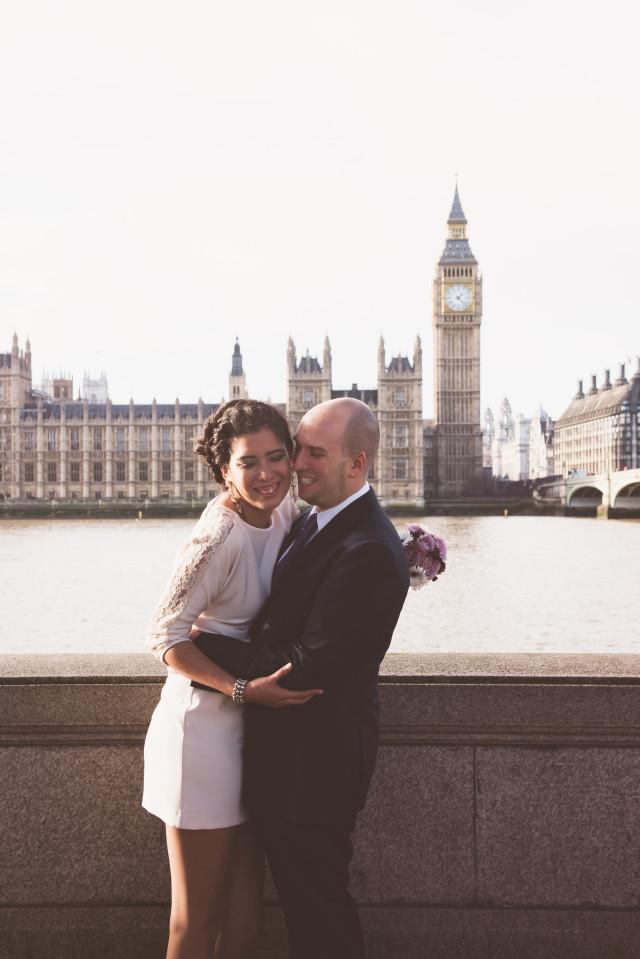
[335,444]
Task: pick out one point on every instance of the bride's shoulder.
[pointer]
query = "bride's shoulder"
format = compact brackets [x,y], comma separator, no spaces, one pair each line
[216,520]
[288,510]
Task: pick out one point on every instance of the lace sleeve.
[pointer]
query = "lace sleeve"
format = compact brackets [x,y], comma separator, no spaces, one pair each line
[189,591]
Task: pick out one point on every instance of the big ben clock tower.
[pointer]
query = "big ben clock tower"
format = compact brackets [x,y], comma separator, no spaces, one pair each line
[457,315]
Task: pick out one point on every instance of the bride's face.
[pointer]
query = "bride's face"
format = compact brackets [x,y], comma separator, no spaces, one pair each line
[260,469]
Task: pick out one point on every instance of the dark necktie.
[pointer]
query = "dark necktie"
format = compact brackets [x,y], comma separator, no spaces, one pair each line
[302,537]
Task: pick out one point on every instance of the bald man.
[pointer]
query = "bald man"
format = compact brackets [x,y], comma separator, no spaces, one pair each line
[336,596]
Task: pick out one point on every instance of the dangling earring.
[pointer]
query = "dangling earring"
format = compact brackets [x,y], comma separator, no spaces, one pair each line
[294,483]
[236,499]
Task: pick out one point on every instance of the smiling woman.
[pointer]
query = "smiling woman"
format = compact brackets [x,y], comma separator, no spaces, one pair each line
[247,445]
[193,750]
[258,472]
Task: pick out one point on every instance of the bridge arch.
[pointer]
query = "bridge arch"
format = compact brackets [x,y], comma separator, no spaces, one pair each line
[589,494]
[627,496]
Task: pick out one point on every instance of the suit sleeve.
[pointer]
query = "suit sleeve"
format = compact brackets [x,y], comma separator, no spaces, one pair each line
[353,616]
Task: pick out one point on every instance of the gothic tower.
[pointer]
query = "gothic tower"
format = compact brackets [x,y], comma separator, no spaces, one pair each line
[308,383]
[457,315]
[15,390]
[237,377]
[399,467]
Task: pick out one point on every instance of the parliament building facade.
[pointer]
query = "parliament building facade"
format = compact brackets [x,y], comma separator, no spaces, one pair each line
[55,447]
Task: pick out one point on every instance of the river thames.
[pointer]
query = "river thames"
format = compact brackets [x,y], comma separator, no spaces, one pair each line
[515,584]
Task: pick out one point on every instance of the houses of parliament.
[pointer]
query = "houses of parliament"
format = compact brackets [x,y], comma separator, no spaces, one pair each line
[55,447]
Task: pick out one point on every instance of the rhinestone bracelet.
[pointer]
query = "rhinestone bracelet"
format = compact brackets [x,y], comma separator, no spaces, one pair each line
[238,690]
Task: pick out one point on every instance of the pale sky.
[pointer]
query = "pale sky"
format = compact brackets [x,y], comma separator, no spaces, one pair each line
[174,175]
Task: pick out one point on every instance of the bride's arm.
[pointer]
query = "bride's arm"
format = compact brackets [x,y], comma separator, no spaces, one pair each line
[187,659]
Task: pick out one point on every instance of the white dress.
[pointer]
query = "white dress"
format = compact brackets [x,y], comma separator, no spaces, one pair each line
[193,749]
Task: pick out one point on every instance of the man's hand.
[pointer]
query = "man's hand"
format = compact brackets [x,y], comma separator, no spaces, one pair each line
[267,691]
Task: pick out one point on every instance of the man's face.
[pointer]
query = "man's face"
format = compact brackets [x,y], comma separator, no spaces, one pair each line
[319,459]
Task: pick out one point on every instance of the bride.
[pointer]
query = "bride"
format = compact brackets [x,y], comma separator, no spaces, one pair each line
[193,762]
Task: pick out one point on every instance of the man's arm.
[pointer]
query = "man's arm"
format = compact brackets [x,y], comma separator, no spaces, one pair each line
[231,654]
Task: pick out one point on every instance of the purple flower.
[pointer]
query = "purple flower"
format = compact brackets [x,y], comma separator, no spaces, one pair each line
[431,567]
[414,528]
[425,543]
[441,546]
[426,554]
[413,556]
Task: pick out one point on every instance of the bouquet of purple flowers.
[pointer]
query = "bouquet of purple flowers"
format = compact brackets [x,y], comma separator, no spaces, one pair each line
[426,554]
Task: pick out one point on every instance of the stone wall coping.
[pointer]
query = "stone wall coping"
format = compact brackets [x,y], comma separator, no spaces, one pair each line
[397,668]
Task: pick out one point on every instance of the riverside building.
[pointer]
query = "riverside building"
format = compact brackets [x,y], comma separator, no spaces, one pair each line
[54,447]
[599,430]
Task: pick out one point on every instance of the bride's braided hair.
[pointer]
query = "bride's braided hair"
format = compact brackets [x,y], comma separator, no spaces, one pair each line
[233,419]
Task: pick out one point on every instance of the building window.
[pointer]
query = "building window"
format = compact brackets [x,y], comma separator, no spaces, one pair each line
[191,494]
[52,441]
[166,439]
[121,494]
[400,398]
[28,472]
[28,441]
[75,472]
[97,472]
[188,472]
[143,440]
[52,472]
[400,468]
[143,472]
[120,472]
[75,441]
[120,440]
[97,441]
[401,435]
[166,471]
[188,439]
[307,399]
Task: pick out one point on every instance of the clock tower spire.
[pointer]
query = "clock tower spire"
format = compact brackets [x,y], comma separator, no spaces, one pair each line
[457,316]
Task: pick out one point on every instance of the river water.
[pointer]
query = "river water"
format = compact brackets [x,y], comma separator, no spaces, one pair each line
[515,584]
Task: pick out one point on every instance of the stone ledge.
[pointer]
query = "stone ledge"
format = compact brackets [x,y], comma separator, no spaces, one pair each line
[397,667]
[503,817]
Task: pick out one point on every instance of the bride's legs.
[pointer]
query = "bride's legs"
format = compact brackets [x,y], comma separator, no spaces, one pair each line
[244,918]
[201,866]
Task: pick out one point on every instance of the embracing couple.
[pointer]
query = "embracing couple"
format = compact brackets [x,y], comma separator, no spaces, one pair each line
[273,627]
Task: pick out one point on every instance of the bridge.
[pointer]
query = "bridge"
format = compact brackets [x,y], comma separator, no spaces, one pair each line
[619,490]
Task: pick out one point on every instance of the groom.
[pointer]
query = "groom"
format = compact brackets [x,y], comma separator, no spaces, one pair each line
[332,610]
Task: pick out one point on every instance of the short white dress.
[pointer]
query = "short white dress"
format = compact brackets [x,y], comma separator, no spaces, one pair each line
[193,749]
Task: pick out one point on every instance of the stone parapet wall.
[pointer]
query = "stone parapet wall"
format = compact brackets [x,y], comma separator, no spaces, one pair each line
[503,819]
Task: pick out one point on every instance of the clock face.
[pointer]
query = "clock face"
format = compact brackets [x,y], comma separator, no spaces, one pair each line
[458,298]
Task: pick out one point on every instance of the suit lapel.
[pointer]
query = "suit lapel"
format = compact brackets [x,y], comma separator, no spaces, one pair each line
[291,535]
[338,527]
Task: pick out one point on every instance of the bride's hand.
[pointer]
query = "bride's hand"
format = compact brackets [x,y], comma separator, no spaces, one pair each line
[267,691]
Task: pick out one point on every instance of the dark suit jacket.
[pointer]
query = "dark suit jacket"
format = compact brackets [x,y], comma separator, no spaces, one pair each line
[331,614]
